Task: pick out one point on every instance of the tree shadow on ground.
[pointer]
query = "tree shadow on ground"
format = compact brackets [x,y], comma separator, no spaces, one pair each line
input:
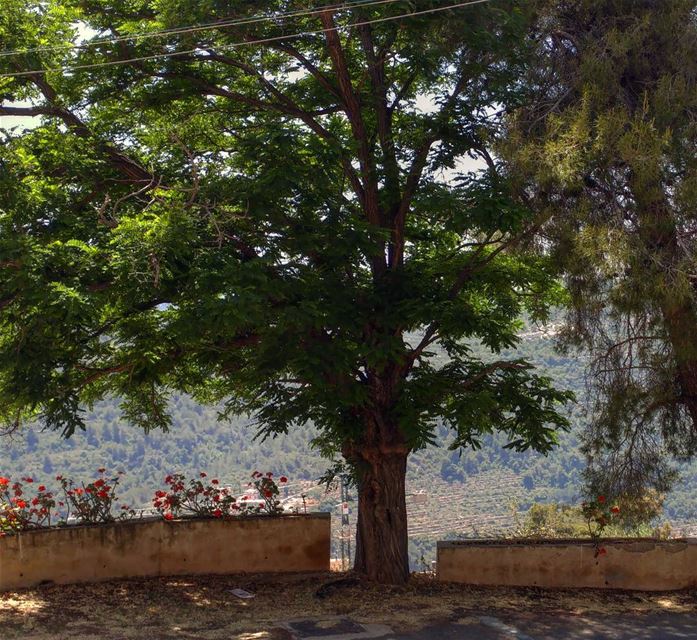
[204,608]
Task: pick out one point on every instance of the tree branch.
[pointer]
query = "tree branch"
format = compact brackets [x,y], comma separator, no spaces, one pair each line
[285,106]
[416,171]
[122,162]
[353,112]
[310,67]
[499,364]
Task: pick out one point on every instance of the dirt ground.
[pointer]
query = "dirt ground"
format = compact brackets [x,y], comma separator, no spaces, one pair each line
[203,607]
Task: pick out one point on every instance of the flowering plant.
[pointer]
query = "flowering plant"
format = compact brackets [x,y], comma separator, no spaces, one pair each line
[197,496]
[20,510]
[599,513]
[207,498]
[94,502]
[267,488]
[27,504]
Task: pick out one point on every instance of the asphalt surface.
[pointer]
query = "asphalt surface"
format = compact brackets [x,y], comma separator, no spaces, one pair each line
[506,626]
[662,626]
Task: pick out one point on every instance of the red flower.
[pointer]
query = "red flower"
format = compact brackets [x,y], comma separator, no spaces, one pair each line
[615,509]
[217,513]
[283,479]
[103,494]
[30,480]
[4,482]
[203,474]
[160,494]
[255,474]
[59,478]
[42,488]
[168,516]
[99,483]
[21,504]
[269,475]
[268,494]
[79,491]
[35,501]
[601,499]
[168,479]
[101,470]
[215,481]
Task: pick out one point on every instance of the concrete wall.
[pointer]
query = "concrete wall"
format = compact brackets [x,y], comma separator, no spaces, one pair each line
[643,565]
[160,548]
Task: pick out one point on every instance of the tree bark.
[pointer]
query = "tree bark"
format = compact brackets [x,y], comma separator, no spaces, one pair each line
[382,547]
[681,323]
[658,230]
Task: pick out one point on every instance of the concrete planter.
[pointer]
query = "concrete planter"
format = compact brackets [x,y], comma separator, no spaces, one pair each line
[138,548]
[641,564]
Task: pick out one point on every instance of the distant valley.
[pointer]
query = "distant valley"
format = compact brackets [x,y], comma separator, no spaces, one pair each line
[474,493]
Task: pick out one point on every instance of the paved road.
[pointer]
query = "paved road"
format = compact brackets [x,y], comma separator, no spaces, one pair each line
[523,626]
[663,626]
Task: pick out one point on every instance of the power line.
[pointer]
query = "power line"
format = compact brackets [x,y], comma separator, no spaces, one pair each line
[199,27]
[234,45]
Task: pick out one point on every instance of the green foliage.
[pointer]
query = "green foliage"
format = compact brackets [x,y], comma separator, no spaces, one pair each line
[228,451]
[263,227]
[587,521]
[603,150]
[552,521]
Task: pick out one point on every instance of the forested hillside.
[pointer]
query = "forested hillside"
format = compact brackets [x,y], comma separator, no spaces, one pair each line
[449,493]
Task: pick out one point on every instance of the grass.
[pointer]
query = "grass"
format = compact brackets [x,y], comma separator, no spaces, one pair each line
[203,608]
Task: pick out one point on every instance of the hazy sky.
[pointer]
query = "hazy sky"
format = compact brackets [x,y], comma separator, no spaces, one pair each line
[424,103]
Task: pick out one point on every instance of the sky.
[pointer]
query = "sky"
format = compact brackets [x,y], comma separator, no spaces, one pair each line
[424,103]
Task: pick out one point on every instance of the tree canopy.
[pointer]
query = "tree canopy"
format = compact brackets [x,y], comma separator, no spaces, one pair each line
[605,145]
[283,225]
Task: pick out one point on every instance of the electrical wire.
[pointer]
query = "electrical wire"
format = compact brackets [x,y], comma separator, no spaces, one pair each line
[235,45]
[199,27]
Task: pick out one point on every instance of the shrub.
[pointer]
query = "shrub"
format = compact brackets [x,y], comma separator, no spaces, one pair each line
[27,504]
[267,489]
[21,510]
[93,503]
[207,498]
[599,514]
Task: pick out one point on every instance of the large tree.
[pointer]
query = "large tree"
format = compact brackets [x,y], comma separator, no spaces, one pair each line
[284,227]
[605,147]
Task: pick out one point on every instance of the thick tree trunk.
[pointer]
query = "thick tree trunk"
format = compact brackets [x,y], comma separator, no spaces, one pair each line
[382,549]
[681,322]
[659,232]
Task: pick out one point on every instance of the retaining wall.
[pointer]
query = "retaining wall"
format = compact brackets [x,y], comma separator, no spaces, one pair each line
[644,565]
[289,543]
